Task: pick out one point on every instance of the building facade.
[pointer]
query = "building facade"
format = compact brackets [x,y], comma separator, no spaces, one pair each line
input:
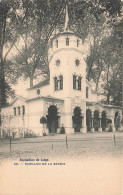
[65,100]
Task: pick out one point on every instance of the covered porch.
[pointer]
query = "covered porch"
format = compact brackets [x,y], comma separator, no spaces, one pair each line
[101,117]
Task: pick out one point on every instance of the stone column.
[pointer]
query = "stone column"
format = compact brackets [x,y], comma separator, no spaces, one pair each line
[100,117]
[113,126]
[106,128]
[83,129]
[120,125]
[92,122]
[68,123]
[67,116]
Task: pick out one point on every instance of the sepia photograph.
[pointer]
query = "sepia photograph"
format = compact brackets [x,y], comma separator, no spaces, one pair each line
[61,97]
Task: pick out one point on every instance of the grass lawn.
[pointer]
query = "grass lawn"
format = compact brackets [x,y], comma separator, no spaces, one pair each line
[91,165]
[54,147]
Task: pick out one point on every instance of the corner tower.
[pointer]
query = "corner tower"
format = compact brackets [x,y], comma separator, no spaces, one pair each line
[68,78]
[67,65]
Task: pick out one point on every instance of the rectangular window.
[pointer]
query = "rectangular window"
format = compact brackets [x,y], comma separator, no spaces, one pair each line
[56,83]
[67,41]
[56,43]
[23,110]
[77,42]
[61,82]
[19,110]
[14,111]
[79,83]
[86,92]
[74,81]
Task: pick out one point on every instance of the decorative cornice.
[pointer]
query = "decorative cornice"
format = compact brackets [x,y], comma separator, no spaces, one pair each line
[46,98]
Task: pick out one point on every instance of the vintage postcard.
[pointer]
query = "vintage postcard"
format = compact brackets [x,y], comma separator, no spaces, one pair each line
[61,102]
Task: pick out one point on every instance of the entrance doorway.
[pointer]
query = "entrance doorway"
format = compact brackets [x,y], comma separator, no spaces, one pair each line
[96,120]
[52,119]
[104,121]
[117,121]
[77,119]
[88,120]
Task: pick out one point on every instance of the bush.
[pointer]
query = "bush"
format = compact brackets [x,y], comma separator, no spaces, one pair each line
[62,130]
[29,134]
[5,134]
[14,134]
[43,120]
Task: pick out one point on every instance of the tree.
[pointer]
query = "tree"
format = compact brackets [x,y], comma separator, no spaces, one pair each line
[40,21]
[105,57]
[32,22]
[113,81]
[4,15]
[8,37]
[43,121]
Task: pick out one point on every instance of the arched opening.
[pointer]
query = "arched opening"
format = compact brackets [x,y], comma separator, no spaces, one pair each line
[77,119]
[52,119]
[117,120]
[104,121]
[88,120]
[109,123]
[96,120]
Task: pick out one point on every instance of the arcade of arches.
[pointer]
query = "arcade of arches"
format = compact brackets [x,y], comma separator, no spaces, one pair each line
[77,119]
[95,120]
[99,121]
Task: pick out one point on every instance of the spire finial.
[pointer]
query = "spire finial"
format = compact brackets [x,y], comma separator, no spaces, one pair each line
[66,19]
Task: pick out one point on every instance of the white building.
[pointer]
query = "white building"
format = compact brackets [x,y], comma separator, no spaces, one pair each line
[66,99]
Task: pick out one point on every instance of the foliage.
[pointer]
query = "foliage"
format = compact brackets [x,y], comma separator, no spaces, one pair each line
[43,120]
[104,60]
[8,36]
[62,130]
[29,133]
[40,20]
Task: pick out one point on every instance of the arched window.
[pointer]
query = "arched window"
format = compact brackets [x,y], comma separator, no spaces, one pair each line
[56,83]
[67,41]
[23,110]
[61,82]
[86,92]
[18,110]
[14,111]
[79,82]
[74,81]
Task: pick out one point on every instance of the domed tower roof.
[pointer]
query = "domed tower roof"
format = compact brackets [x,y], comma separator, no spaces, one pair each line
[66,31]
[65,40]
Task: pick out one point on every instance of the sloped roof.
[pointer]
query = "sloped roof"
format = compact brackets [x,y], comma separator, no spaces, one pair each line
[45,97]
[67,32]
[14,100]
[41,84]
[98,92]
[102,105]
[18,97]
